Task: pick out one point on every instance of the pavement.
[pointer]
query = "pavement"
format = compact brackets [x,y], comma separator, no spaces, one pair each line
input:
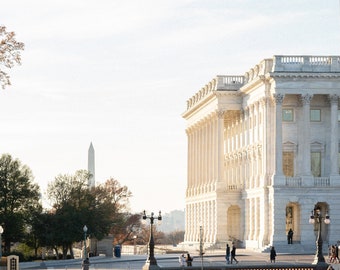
[245,257]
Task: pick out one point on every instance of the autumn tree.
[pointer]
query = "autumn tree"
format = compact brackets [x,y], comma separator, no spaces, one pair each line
[127,227]
[10,54]
[19,198]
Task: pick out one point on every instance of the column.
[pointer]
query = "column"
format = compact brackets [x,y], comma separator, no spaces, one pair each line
[306,99]
[189,184]
[194,160]
[278,133]
[220,152]
[334,147]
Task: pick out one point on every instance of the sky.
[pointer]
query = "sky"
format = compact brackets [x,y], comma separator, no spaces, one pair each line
[118,74]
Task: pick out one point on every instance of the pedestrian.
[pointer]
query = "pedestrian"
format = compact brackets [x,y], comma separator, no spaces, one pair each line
[272,255]
[86,264]
[227,254]
[181,260]
[189,260]
[233,254]
[290,236]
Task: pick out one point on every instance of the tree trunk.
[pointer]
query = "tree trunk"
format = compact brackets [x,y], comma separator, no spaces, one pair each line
[71,251]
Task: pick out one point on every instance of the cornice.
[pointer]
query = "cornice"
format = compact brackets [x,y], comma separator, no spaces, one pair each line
[303,75]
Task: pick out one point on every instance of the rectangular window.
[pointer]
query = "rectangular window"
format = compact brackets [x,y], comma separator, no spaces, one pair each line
[338,115]
[288,163]
[316,164]
[287,115]
[315,115]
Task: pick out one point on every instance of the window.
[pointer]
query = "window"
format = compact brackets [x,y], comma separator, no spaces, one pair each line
[315,115]
[288,163]
[338,115]
[287,115]
[316,164]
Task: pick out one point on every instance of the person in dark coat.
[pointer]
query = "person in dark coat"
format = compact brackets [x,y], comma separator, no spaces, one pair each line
[189,260]
[227,254]
[233,255]
[272,255]
[290,236]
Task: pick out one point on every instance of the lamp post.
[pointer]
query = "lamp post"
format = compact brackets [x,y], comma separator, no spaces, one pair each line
[317,218]
[134,245]
[151,262]
[1,231]
[201,245]
[85,231]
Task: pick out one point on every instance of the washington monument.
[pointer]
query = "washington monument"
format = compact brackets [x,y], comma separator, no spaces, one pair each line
[91,167]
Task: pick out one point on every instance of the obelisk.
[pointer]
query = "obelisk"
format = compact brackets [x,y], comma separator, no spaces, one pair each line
[91,167]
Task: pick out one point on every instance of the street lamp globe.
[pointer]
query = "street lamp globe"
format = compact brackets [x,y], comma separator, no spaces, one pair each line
[1,231]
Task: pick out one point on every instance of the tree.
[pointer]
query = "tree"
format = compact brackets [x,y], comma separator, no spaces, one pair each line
[71,200]
[76,205]
[10,54]
[129,225]
[19,197]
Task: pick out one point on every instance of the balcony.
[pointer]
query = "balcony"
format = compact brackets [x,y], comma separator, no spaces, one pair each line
[298,182]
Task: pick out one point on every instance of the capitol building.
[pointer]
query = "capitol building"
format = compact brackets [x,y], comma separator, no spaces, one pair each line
[263,154]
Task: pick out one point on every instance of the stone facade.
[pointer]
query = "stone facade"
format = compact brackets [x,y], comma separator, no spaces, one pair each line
[263,152]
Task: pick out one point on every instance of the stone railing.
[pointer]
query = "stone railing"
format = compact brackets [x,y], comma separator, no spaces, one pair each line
[306,63]
[293,181]
[297,181]
[294,63]
[321,181]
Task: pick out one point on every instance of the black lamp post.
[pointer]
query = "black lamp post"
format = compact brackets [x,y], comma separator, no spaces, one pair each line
[151,262]
[317,218]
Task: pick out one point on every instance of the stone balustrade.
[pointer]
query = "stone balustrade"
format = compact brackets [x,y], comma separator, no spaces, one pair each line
[306,63]
[297,181]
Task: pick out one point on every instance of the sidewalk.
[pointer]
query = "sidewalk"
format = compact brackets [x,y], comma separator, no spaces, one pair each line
[247,257]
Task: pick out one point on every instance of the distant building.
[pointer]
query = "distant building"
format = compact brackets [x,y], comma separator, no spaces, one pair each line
[173,221]
[263,152]
[91,166]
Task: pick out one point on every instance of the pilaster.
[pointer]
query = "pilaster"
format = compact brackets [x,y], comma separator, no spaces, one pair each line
[334,149]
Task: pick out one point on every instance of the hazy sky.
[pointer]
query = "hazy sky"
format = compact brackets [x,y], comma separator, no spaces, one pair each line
[118,74]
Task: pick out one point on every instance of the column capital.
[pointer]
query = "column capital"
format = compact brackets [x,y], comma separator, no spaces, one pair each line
[333,99]
[220,114]
[278,98]
[306,99]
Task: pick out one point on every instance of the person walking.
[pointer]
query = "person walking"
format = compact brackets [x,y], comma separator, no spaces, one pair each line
[227,254]
[233,254]
[290,236]
[272,255]
[189,260]
[181,260]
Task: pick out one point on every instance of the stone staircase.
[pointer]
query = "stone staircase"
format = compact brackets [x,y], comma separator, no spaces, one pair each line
[296,248]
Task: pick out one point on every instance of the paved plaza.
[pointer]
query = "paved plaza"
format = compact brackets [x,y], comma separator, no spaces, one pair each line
[245,257]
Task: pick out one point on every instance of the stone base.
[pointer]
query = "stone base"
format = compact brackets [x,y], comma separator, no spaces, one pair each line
[148,266]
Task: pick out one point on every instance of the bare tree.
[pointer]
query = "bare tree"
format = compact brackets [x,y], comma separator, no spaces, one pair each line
[10,54]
